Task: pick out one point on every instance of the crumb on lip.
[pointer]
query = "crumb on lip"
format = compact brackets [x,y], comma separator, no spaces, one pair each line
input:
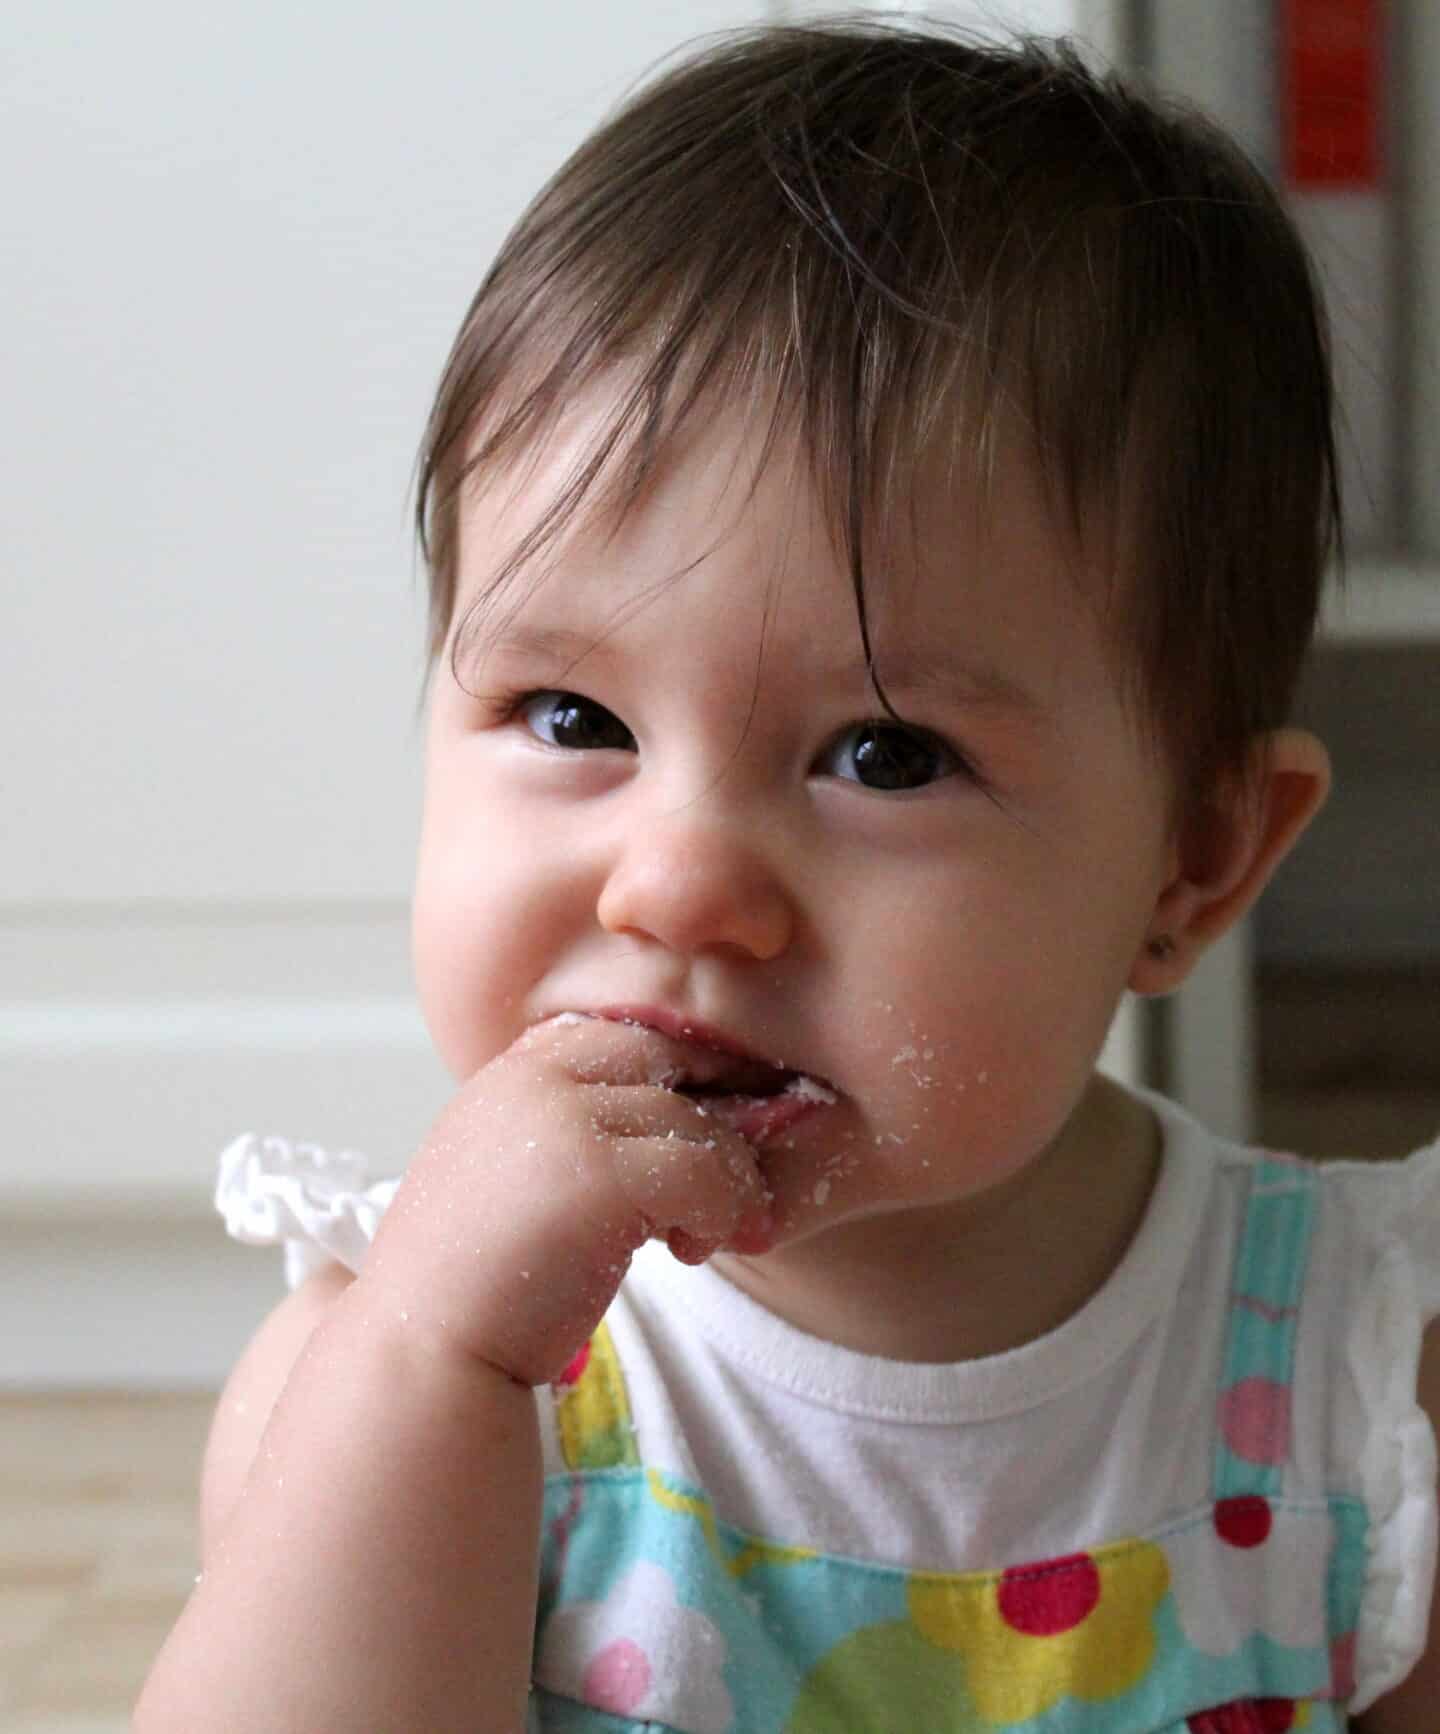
[797,1084]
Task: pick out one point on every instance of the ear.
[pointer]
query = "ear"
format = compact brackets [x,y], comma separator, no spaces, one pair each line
[1225,853]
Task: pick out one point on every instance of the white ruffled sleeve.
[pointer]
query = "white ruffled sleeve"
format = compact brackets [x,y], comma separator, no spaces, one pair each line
[1397,1468]
[321,1207]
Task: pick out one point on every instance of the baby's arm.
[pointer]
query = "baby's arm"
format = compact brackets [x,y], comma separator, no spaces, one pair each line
[1414,1706]
[375,1565]
[251,1393]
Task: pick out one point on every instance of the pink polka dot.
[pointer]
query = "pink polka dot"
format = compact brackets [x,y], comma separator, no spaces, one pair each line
[1342,1665]
[618,1678]
[1050,1597]
[1255,1419]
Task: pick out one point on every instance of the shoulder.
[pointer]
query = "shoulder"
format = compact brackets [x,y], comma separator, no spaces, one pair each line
[1377,1245]
[1400,1193]
[1352,1221]
[1378,1282]
[1409,1707]
[252,1390]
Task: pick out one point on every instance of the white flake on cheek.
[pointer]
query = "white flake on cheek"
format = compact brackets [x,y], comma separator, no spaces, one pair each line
[907,1056]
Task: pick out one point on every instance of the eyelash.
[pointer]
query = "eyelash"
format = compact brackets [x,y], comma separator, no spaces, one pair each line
[506,707]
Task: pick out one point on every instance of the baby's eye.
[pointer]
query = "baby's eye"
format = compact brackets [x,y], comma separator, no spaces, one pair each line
[567,719]
[883,755]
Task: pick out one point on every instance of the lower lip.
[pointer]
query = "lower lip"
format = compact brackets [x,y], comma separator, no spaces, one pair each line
[759,1119]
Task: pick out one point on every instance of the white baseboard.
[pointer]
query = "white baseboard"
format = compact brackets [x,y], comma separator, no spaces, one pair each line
[138,1305]
[135,1046]
[135,1043]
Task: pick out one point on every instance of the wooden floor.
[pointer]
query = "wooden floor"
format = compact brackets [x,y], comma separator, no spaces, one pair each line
[97,1551]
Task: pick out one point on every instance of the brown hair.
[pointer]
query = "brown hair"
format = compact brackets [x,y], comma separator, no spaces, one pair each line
[892,238]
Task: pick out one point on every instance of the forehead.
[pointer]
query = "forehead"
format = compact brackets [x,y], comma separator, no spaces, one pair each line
[964,578]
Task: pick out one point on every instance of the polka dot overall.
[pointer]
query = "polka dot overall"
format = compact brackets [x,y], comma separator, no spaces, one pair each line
[1237,1617]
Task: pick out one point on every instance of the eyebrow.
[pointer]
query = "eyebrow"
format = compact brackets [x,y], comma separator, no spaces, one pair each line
[932,673]
[559,644]
[928,673]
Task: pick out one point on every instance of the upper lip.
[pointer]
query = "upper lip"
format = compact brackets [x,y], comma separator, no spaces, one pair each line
[715,1055]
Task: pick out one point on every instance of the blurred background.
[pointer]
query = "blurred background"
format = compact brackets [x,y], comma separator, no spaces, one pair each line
[238,243]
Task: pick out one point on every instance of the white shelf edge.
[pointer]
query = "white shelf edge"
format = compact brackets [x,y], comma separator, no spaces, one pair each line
[47,1206]
[1393,601]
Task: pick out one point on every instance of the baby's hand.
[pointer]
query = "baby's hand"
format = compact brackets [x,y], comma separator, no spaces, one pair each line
[517,1219]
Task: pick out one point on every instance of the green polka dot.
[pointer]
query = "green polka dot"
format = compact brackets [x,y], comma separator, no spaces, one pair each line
[882,1678]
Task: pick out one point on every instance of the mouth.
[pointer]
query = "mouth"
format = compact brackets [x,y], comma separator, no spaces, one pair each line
[760,1118]
[755,1097]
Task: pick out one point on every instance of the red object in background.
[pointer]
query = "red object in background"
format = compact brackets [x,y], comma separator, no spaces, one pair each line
[1332,70]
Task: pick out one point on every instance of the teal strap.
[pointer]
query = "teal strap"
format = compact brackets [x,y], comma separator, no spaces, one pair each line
[1253,1425]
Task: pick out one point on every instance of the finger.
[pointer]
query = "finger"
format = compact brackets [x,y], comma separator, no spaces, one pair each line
[706,1186]
[643,1112]
[687,1249]
[713,1190]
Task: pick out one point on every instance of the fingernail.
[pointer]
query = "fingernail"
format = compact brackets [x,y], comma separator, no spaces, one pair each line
[686,1248]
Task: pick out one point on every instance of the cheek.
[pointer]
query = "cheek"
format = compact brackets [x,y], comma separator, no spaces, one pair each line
[446,980]
[987,1033]
[474,950]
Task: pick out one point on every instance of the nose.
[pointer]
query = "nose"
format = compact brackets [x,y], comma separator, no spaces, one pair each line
[696,887]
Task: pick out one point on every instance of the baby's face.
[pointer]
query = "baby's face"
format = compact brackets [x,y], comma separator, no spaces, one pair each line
[671,788]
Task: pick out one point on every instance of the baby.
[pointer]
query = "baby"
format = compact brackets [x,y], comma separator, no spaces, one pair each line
[875,509]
